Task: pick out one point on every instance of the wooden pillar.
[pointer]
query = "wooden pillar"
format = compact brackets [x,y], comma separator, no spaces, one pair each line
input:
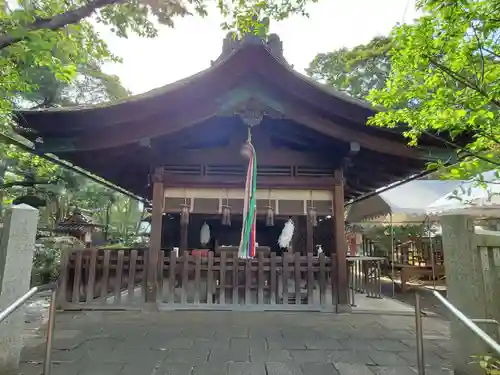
[155,237]
[296,245]
[184,238]
[309,236]
[339,235]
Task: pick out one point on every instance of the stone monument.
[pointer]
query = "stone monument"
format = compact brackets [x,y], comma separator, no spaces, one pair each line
[16,257]
[472,264]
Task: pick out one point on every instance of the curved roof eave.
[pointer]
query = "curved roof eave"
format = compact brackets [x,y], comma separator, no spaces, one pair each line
[165,89]
[43,119]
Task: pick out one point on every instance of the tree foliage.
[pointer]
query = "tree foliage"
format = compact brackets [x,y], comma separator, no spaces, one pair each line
[90,86]
[66,190]
[446,72]
[57,36]
[355,71]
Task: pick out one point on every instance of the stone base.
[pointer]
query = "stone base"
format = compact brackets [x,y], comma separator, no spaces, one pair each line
[150,307]
[344,309]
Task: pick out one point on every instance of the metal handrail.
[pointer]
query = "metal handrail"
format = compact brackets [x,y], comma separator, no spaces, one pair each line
[469,323]
[362,282]
[4,314]
[489,321]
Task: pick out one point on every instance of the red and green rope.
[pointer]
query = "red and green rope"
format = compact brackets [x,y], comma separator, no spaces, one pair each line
[247,243]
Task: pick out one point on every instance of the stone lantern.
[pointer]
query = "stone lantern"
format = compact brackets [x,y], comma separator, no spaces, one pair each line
[78,225]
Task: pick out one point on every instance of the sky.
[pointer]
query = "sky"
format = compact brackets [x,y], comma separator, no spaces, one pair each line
[194,42]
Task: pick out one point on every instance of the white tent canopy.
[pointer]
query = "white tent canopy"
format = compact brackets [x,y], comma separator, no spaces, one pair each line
[471,199]
[405,204]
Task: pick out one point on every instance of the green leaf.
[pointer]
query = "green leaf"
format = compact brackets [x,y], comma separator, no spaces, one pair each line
[439,76]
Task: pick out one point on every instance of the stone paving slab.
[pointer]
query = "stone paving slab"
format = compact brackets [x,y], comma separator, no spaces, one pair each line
[238,343]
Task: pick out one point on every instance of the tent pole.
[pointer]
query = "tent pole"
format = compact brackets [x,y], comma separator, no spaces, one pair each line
[392,258]
[431,249]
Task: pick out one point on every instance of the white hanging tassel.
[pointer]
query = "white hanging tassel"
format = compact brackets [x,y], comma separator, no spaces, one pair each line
[204,234]
[286,235]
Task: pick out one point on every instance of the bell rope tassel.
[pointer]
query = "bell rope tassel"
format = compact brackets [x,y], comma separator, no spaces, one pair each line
[184,214]
[247,242]
[270,217]
[312,216]
[226,216]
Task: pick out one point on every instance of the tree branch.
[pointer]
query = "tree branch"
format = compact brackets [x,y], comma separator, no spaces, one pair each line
[463,80]
[480,46]
[491,52]
[44,104]
[56,22]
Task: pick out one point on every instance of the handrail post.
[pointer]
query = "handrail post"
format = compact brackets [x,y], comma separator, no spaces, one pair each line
[4,314]
[420,336]
[468,323]
[489,321]
[47,365]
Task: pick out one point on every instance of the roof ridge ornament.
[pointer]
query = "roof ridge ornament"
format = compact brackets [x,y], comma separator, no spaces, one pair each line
[251,118]
[251,113]
[256,35]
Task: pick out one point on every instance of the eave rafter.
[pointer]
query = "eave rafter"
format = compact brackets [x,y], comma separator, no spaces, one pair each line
[166,124]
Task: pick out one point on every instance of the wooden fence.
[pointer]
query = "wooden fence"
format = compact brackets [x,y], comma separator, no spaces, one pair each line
[103,279]
[115,279]
[267,282]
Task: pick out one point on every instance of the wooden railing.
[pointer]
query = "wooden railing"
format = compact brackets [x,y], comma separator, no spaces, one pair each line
[115,279]
[106,278]
[266,282]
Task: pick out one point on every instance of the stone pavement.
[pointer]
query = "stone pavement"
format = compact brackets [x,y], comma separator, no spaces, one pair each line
[238,343]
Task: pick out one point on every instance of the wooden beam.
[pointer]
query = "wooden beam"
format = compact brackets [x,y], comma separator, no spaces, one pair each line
[232,156]
[264,182]
[131,132]
[292,132]
[343,133]
[397,165]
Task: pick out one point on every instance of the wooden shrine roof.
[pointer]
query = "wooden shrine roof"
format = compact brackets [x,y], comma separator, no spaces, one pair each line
[109,139]
[76,221]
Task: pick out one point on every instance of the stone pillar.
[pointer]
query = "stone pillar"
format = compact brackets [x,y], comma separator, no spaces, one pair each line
[16,258]
[464,280]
